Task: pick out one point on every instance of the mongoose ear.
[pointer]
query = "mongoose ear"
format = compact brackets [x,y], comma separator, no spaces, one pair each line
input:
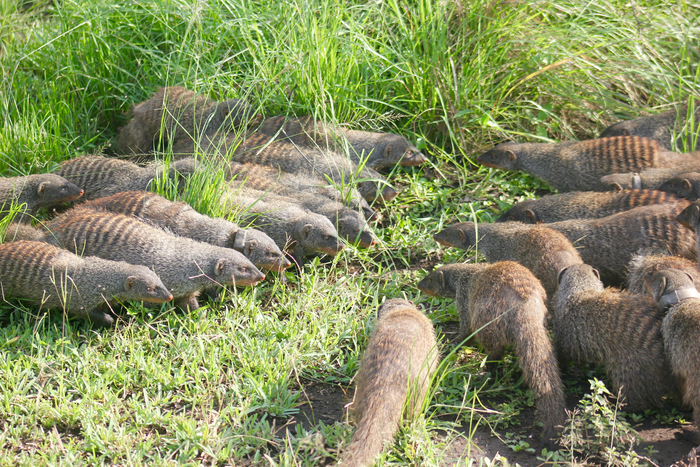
[511,155]
[695,215]
[305,231]
[219,268]
[597,274]
[441,275]
[687,186]
[531,216]
[250,245]
[647,282]
[625,132]
[561,274]
[42,188]
[616,186]
[690,277]
[462,236]
[129,283]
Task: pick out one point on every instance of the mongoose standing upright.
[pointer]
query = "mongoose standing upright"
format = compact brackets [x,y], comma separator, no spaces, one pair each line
[35,192]
[185,266]
[181,114]
[619,330]
[504,304]
[394,377]
[675,294]
[582,205]
[657,127]
[607,244]
[85,287]
[380,151]
[576,165]
[648,262]
[542,250]
[104,176]
[181,219]
[685,185]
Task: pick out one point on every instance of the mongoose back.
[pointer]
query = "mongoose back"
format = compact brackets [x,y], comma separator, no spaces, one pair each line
[657,127]
[104,176]
[287,223]
[542,250]
[685,185]
[650,179]
[675,293]
[648,262]
[607,244]
[85,287]
[378,150]
[35,192]
[23,231]
[393,379]
[185,266]
[504,304]
[575,165]
[619,330]
[582,205]
[181,114]
[181,219]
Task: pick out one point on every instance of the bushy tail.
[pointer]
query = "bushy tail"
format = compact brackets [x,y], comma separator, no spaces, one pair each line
[375,428]
[541,373]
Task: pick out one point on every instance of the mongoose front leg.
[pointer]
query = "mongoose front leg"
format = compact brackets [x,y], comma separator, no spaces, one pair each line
[188,302]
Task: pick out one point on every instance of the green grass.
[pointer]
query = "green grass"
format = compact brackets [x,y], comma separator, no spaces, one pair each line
[217,385]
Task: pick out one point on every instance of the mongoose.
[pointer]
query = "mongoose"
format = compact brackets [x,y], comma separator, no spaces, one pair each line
[504,304]
[650,179]
[675,293]
[657,127]
[181,114]
[619,330]
[379,151]
[22,231]
[287,223]
[86,287]
[181,219]
[685,185]
[648,262]
[266,178]
[582,205]
[185,266]
[393,379]
[104,176]
[576,165]
[542,250]
[35,192]
[258,148]
[607,244]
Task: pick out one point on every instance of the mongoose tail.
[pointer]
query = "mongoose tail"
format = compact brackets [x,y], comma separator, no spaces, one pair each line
[393,379]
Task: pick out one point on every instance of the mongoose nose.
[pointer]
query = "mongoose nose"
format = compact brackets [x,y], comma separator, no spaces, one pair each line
[170,297]
[82,192]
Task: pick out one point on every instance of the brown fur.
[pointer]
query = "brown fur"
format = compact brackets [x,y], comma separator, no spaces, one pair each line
[650,262]
[35,192]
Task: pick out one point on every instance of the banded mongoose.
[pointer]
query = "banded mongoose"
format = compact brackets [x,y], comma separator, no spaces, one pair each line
[17,231]
[393,379]
[657,127]
[86,287]
[287,223]
[685,185]
[576,165]
[175,113]
[185,266]
[582,205]
[650,179]
[181,219]
[504,304]
[675,294]
[104,176]
[266,178]
[35,192]
[619,330]
[379,151]
[542,250]
[258,148]
[648,262]
[607,244]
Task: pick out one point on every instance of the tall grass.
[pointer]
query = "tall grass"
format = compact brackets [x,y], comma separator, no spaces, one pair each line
[217,385]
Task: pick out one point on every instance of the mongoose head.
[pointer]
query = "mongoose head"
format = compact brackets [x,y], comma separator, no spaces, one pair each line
[620,182]
[442,282]
[237,112]
[236,270]
[690,216]
[670,286]
[352,228]
[53,189]
[685,185]
[394,149]
[260,249]
[616,129]
[462,235]
[520,212]
[370,191]
[145,286]
[316,233]
[579,277]
[502,156]
[393,304]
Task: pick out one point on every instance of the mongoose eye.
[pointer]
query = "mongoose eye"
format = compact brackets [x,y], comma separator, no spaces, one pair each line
[243,270]
[151,289]
[63,188]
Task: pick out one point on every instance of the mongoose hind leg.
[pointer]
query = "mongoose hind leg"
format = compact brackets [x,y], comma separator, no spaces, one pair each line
[494,357]
[101,316]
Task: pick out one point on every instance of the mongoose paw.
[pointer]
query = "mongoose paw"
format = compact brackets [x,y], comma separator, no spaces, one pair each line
[689,434]
[100,318]
[188,303]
